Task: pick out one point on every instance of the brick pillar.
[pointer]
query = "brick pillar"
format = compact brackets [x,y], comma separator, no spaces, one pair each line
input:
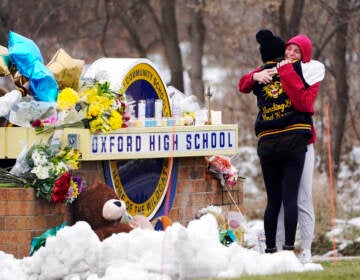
[23,216]
[197,188]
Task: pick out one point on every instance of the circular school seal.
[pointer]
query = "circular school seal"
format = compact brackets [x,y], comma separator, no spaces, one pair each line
[147,186]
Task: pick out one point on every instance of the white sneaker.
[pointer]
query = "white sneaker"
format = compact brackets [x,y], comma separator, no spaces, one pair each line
[305,256]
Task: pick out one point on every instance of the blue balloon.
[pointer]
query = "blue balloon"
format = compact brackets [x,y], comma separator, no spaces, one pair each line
[23,53]
[43,84]
[26,56]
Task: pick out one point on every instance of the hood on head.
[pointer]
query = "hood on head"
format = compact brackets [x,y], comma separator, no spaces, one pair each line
[305,45]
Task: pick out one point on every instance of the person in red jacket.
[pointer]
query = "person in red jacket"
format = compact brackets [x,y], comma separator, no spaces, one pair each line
[302,91]
[291,115]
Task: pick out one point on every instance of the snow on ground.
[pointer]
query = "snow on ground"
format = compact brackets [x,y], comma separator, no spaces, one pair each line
[177,253]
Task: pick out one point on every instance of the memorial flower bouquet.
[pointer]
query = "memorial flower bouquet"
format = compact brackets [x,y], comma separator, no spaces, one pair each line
[95,106]
[104,108]
[48,171]
[222,168]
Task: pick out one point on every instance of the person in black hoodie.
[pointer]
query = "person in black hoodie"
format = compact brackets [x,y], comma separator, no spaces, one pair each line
[282,133]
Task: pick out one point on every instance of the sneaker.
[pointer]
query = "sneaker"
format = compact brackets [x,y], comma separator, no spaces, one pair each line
[270,250]
[288,247]
[305,256]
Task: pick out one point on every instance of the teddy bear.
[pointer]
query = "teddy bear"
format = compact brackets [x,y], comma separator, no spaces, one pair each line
[99,206]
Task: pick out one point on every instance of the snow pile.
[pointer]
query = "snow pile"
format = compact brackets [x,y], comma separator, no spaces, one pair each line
[178,253]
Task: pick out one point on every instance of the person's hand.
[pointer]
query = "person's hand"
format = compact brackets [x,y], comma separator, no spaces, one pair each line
[264,76]
[283,62]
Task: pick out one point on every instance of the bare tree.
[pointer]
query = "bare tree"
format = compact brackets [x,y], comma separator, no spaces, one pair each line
[170,40]
[165,26]
[341,15]
[128,20]
[290,26]
[342,88]
[6,8]
[197,31]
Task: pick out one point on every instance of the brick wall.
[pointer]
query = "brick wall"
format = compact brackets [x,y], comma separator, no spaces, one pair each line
[23,216]
[197,188]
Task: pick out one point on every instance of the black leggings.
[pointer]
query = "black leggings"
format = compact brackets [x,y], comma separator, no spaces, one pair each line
[282,179]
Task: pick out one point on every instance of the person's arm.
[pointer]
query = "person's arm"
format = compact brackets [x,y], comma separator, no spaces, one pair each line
[247,82]
[302,97]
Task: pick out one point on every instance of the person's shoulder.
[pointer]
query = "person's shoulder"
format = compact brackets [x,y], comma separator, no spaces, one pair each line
[313,65]
[313,71]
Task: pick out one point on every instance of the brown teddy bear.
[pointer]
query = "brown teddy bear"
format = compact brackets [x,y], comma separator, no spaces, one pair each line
[99,206]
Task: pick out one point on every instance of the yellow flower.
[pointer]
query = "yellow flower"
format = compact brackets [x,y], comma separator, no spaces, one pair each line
[103,107]
[106,102]
[75,189]
[70,157]
[115,120]
[94,110]
[88,92]
[67,98]
[96,125]
[92,97]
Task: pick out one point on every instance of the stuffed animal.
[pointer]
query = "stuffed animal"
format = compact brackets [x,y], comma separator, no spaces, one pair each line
[216,211]
[99,206]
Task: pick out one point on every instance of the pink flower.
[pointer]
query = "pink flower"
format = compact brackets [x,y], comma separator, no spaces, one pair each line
[50,120]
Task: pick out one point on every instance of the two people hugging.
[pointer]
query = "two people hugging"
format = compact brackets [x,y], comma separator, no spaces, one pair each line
[286,87]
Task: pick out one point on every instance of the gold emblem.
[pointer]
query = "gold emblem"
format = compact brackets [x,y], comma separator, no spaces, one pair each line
[273,90]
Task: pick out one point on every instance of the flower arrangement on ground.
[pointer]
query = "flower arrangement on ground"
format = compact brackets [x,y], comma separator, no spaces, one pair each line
[95,106]
[48,170]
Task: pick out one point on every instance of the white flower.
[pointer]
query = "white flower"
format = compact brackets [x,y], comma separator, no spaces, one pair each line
[38,158]
[42,172]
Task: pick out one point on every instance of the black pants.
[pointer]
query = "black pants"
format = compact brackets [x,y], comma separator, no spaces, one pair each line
[282,179]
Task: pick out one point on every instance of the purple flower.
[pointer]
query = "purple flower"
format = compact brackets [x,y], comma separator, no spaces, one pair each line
[78,180]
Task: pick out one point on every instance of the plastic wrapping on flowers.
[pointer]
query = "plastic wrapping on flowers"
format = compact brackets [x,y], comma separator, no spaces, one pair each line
[48,170]
[94,106]
[222,169]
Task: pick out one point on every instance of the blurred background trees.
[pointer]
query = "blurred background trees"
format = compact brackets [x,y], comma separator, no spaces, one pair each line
[208,42]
